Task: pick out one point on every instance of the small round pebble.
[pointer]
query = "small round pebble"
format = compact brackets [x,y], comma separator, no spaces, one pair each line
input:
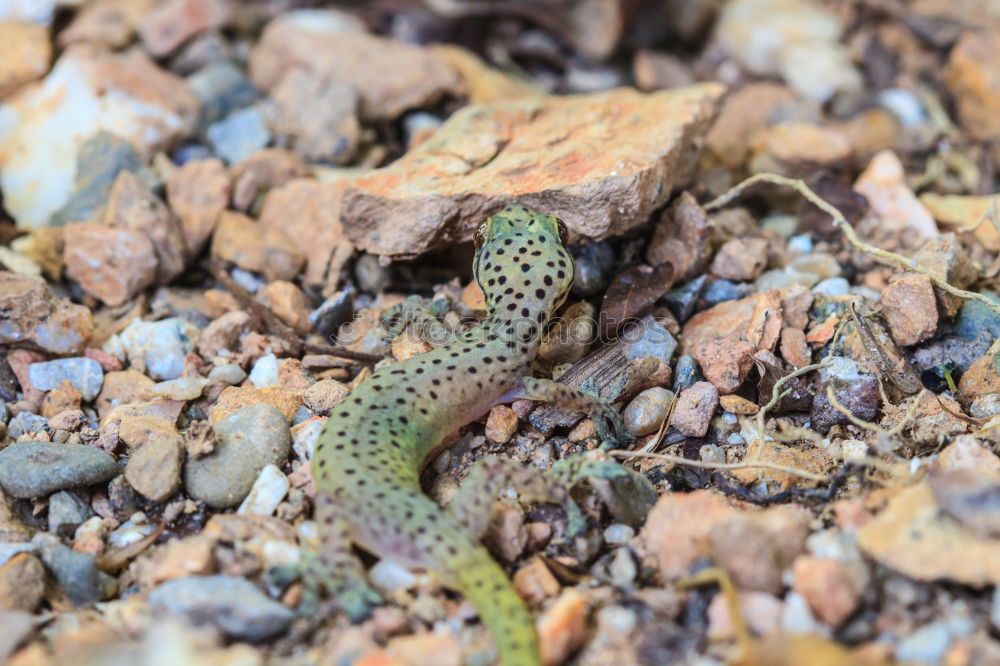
[646,412]
[252,437]
[35,469]
[182,388]
[834,287]
[324,395]
[230,373]
[265,371]
[618,534]
[232,604]
[66,510]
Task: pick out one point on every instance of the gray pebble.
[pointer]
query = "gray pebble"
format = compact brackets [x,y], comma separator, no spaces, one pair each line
[85,374]
[232,604]
[985,406]
[371,275]
[592,263]
[252,437]
[926,645]
[239,135]
[26,422]
[334,311]
[34,469]
[647,411]
[687,372]
[76,573]
[67,511]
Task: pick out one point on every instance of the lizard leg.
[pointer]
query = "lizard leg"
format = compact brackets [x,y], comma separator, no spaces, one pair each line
[474,499]
[330,563]
[421,314]
[610,426]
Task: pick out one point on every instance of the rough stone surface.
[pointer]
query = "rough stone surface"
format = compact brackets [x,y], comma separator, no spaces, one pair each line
[110,264]
[252,438]
[27,51]
[891,201]
[35,469]
[198,192]
[160,345]
[43,128]
[827,585]
[154,470]
[30,315]
[910,309]
[623,153]
[740,259]
[232,604]
[254,247]
[86,375]
[308,212]
[390,76]
[646,412]
[22,584]
[172,22]
[132,205]
[983,376]
[694,409]
[973,77]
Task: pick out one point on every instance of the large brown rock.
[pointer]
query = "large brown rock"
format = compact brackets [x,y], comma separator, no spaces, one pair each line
[601,162]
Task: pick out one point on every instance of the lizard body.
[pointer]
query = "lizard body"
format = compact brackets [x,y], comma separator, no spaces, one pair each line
[368,457]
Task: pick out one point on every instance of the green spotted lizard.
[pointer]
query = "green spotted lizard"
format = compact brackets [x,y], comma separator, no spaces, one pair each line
[367,460]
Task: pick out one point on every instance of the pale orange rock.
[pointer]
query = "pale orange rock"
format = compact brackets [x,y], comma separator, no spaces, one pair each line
[794,348]
[743,113]
[562,628]
[501,424]
[189,556]
[959,211]
[288,302]
[110,264]
[677,528]
[735,404]
[761,611]
[408,344]
[790,148]
[624,153]
[233,398]
[973,77]
[27,53]
[254,247]
[890,199]
[426,649]
[198,192]
[827,587]
[534,582]
[740,259]
[308,213]
[983,376]
[910,308]
[913,536]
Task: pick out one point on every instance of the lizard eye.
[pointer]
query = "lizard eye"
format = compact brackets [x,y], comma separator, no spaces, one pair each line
[479,237]
[563,233]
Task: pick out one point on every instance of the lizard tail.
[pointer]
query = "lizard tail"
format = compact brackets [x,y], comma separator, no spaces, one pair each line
[481,580]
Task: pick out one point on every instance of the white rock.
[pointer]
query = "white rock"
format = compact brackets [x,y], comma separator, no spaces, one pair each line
[389,577]
[796,618]
[618,534]
[230,373]
[798,40]
[16,262]
[265,371]
[43,127]
[132,530]
[268,490]
[182,388]
[305,439]
[278,553]
[34,11]
[890,199]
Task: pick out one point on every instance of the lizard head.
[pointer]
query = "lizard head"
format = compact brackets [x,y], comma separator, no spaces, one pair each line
[522,265]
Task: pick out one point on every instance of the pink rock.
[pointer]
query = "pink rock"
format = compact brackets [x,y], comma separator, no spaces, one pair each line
[890,199]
